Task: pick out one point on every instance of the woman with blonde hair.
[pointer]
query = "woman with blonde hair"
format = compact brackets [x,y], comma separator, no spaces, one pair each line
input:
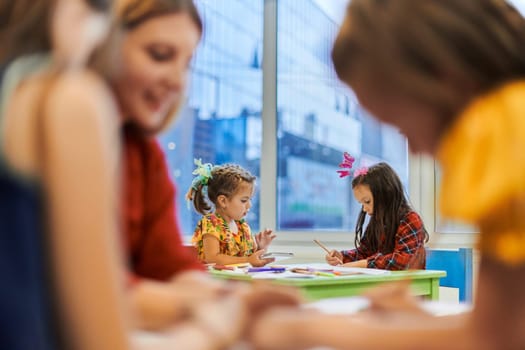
[166,281]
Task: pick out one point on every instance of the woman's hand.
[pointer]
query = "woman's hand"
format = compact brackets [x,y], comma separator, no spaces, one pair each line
[155,305]
[264,238]
[210,316]
[284,328]
[256,260]
[394,298]
[200,285]
[334,258]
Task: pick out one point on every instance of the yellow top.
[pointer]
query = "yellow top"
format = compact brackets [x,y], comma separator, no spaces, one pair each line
[483,163]
[241,243]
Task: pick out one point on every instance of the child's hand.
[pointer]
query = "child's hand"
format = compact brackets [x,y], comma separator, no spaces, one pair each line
[334,258]
[264,238]
[256,260]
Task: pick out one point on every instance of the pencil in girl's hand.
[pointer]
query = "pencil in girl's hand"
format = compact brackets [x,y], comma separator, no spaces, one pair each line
[316,241]
[322,246]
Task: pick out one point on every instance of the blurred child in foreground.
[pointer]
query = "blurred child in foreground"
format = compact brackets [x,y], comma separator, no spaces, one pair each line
[451,76]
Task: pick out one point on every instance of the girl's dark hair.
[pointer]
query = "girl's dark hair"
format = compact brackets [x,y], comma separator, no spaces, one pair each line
[440,53]
[225,180]
[390,206]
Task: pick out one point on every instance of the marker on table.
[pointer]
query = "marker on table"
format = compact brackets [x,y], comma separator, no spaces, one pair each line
[267,269]
[324,274]
[313,272]
[326,249]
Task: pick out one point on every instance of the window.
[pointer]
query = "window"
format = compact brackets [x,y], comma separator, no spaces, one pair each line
[317,120]
[313,118]
[448,226]
[222,120]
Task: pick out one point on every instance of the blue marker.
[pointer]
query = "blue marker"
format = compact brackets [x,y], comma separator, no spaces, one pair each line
[267,269]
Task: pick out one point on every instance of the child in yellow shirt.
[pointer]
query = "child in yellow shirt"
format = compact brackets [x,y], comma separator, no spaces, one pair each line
[222,235]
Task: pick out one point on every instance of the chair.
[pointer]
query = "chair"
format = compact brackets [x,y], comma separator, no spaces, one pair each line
[458,265]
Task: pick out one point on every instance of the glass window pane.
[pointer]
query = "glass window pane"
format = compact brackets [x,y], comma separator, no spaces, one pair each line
[448,226]
[222,120]
[318,118]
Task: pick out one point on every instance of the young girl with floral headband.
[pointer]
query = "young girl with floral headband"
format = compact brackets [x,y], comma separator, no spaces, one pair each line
[395,235]
[223,236]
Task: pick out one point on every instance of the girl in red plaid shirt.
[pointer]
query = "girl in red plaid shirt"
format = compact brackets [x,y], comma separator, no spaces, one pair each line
[395,236]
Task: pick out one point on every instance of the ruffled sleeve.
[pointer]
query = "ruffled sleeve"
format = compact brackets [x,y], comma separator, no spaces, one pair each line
[208,225]
[483,164]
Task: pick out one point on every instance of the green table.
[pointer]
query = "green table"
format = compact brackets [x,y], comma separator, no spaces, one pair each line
[423,282]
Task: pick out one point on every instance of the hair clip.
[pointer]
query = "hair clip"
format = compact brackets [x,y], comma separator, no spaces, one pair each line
[203,172]
[347,163]
[203,175]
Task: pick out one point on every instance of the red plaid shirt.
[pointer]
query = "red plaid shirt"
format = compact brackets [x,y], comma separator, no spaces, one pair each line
[408,253]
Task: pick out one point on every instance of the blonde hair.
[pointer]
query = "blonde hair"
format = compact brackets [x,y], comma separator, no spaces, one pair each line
[439,53]
[224,180]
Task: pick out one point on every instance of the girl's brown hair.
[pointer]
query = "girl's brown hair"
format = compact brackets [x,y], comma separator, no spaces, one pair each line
[225,180]
[390,207]
[440,53]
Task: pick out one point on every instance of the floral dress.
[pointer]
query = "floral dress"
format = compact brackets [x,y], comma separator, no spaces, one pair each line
[234,244]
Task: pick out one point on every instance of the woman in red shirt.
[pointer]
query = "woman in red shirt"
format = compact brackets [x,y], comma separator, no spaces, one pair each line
[168,284]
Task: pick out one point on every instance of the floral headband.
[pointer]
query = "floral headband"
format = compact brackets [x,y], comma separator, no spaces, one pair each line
[346,165]
[203,172]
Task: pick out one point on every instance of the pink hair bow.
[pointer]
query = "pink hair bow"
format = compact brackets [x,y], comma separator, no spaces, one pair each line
[360,171]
